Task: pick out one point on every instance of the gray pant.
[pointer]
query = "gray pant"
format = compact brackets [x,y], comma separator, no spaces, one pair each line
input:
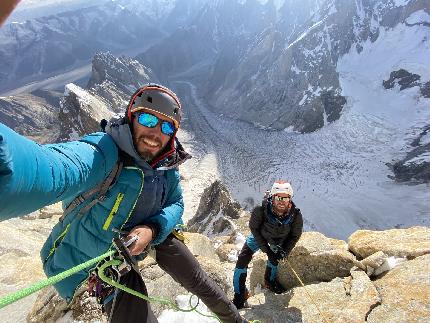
[175,259]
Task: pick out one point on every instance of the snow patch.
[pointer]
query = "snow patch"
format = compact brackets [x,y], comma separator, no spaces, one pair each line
[418,17]
[304,34]
[400,3]
[420,159]
[361,75]
[232,255]
[425,139]
[388,264]
[240,240]
[183,302]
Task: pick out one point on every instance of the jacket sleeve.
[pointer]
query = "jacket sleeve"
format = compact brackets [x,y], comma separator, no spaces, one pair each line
[255,224]
[170,215]
[33,175]
[295,233]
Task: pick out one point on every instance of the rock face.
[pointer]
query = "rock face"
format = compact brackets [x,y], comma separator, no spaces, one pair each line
[33,115]
[345,295]
[81,113]
[415,167]
[405,293]
[407,243]
[315,258]
[116,78]
[403,78]
[274,64]
[340,300]
[48,116]
[216,211]
[200,245]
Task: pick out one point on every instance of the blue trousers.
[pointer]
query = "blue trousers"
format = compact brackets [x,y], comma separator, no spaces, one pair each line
[240,272]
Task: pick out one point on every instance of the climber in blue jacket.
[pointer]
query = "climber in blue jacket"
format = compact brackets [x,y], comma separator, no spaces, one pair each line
[122,180]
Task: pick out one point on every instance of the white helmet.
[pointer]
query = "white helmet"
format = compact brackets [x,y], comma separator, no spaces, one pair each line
[281,187]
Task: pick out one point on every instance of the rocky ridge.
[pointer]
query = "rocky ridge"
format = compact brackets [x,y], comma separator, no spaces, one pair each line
[49,116]
[34,115]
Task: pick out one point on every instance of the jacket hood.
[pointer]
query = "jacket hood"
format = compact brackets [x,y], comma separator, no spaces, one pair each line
[120,131]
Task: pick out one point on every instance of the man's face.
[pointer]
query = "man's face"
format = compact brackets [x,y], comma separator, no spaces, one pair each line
[281,203]
[149,142]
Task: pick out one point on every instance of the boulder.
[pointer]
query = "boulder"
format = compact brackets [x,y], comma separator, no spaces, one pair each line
[340,300]
[227,252]
[405,293]
[200,245]
[315,258]
[408,243]
[49,307]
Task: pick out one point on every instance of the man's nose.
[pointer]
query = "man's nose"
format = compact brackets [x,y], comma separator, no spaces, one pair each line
[156,129]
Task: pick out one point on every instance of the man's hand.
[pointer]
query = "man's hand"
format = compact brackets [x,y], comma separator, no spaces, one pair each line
[145,237]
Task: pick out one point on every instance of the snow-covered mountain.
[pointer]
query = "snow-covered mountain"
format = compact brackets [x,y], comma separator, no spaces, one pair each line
[72,31]
[44,46]
[363,88]
[30,9]
[340,172]
[274,64]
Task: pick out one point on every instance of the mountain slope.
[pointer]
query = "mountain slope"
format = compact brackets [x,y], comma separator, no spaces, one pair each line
[41,47]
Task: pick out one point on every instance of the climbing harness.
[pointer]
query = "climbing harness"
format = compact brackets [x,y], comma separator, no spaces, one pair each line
[121,263]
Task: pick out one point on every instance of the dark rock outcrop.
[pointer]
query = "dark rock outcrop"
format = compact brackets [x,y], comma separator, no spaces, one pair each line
[215,212]
[425,90]
[403,78]
[415,167]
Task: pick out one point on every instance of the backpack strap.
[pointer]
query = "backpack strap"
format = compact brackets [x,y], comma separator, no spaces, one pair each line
[101,189]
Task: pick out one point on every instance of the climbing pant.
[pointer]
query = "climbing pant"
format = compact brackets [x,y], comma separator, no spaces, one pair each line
[240,272]
[174,258]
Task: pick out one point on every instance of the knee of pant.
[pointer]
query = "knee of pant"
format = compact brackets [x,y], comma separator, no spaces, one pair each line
[252,244]
[192,280]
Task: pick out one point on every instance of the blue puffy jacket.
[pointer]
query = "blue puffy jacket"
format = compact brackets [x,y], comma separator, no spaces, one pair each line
[33,176]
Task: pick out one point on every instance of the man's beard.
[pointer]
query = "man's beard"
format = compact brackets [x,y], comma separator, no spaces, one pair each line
[281,211]
[146,154]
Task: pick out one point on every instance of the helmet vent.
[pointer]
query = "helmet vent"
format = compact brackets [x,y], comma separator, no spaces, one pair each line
[149,99]
[175,111]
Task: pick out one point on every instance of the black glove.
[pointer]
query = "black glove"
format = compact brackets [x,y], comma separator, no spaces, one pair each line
[273,258]
[280,255]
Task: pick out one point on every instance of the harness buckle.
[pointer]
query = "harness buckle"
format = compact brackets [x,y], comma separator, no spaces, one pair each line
[129,262]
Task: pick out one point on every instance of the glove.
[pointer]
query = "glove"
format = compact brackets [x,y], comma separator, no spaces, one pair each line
[280,255]
[272,257]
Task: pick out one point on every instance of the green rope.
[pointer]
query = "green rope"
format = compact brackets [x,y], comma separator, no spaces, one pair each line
[11,298]
[116,262]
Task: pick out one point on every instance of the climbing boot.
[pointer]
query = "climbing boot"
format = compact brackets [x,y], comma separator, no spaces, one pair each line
[274,286]
[240,299]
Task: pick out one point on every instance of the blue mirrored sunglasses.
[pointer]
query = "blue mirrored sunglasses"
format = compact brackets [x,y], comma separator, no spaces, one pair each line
[151,121]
